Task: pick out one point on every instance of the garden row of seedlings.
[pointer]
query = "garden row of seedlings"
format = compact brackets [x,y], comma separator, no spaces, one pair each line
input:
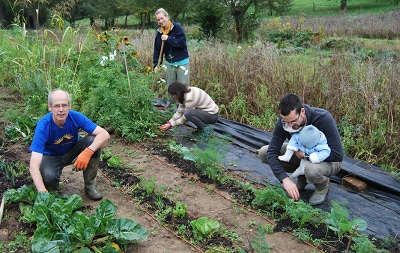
[329,232]
[202,233]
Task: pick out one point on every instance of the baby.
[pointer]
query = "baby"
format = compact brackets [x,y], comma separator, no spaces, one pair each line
[312,142]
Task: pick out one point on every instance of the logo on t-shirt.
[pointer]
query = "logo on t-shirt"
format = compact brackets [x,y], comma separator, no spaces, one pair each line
[64,139]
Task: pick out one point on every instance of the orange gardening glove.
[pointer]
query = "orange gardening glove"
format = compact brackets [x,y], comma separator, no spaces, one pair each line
[83,158]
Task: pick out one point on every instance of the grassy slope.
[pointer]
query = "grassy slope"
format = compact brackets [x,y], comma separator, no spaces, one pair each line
[325,7]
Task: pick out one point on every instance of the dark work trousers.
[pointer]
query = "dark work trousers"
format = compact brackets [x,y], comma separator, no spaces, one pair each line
[52,166]
[200,118]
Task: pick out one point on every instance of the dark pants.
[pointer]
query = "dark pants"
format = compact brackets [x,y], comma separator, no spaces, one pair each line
[52,166]
[200,118]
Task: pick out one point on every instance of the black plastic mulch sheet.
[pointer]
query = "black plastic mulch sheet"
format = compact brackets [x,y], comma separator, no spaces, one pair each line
[379,205]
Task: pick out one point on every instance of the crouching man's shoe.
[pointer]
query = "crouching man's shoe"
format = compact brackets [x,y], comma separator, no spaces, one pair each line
[321,191]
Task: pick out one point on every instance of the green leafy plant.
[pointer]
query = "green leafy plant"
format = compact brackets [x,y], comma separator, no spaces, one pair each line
[22,127]
[231,234]
[19,244]
[270,199]
[363,244]
[62,227]
[204,228]
[148,185]
[339,222]
[12,170]
[303,213]
[162,214]
[182,150]
[114,162]
[209,160]
[106,154]
[180,210]
[259,242]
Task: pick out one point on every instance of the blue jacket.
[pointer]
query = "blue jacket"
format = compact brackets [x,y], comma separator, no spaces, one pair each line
[175,48]
[317,153]
[321,119]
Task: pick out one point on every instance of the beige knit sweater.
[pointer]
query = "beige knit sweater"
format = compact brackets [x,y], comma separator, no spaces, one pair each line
[196,98]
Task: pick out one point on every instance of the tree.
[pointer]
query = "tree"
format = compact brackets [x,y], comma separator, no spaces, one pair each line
[246,16]
[343,4]
[175,8]
[209,14]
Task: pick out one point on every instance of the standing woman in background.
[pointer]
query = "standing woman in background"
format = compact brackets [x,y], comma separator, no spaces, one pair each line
[170,42]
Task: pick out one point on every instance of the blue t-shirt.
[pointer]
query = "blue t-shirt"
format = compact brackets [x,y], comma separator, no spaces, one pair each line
[49,139]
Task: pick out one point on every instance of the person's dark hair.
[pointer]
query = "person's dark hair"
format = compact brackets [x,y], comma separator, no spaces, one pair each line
[289,103]
[178,89]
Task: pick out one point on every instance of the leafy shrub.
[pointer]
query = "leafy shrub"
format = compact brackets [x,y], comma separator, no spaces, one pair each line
[129,110]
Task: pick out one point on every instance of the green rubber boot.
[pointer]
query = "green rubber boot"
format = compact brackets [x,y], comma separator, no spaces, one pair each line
[321,191]
[89,176]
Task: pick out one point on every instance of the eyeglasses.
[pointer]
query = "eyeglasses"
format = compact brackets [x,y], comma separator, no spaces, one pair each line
[64,106]
[294,122]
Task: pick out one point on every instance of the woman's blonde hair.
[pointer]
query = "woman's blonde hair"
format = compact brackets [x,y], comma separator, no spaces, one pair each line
[161,10]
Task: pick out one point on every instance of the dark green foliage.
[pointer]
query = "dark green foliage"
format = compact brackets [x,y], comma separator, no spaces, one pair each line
[209,15]
[22,128]
[129,110]
[292,38]
[272,197]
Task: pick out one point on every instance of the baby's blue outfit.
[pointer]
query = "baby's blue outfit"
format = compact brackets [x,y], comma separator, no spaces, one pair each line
[319,152]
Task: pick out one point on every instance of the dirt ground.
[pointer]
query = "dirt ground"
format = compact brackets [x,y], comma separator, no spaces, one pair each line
[201,201]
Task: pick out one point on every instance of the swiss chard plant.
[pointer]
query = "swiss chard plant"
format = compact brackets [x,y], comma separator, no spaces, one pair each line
[61,226]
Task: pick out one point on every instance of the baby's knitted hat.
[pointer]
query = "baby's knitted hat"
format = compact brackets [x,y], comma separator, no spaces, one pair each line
[309,136]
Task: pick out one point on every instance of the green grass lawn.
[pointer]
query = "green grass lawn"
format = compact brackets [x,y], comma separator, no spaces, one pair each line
[325,7]
[309,7]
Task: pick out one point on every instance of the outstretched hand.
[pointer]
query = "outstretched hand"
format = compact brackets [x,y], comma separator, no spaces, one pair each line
[291,188]
[165,127]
